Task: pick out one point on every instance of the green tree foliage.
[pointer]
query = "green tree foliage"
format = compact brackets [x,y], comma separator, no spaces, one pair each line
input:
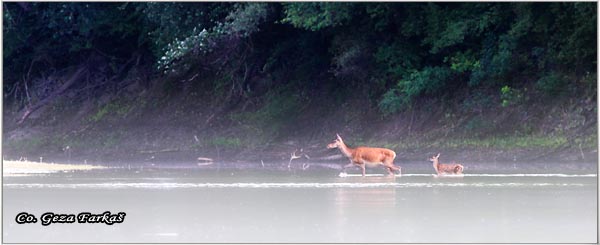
[169,21]
[316,16]
[429,81]
[42,41]
[396,52]
[204,27]
[53,30]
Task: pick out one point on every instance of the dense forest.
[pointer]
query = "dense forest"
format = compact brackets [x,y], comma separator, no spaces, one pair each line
[231,78]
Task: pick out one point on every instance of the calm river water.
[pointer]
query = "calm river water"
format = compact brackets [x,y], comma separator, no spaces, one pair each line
[537,205]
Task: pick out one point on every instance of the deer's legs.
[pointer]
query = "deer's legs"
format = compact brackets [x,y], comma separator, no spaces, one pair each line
[390,171]
[391,167]
[347,166]
[363,169]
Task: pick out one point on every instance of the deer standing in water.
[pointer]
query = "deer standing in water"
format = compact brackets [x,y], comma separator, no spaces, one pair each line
[366,156]
[442,169]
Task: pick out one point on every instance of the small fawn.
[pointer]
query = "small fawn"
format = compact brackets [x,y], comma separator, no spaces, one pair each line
[366,156]
[442,169]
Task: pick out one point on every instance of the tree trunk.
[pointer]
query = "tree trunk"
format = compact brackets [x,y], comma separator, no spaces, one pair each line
[75,77]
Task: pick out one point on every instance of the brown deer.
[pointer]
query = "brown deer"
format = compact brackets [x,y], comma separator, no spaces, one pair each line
[442,169]
[366,156]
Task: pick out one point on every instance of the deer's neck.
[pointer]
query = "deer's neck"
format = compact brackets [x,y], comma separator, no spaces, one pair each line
[347,151]
[435,164]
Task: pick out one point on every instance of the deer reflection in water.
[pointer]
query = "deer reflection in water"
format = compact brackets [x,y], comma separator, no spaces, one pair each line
[355,205]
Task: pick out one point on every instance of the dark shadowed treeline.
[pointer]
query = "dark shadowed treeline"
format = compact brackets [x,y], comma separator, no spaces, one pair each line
[396,52]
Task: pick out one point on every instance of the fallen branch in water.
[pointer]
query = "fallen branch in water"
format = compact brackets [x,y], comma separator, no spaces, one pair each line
[206,159]
[294,156]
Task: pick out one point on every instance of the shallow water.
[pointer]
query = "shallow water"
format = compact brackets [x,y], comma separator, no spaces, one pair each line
[316,205]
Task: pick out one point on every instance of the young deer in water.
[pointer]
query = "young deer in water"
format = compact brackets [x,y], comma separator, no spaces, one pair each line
[441,168]
[366,156]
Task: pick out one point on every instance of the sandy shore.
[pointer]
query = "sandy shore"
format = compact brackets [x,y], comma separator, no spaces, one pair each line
[19,168]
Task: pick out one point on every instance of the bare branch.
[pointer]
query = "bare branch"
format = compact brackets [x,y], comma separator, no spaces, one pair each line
[294,156]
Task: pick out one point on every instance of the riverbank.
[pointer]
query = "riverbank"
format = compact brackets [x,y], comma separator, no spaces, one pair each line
[18,168]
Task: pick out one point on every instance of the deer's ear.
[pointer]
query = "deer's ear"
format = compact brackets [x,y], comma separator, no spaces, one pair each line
[438,155]
[338,136]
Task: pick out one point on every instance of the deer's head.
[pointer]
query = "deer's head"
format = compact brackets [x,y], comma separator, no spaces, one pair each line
[337,142]
[434,158]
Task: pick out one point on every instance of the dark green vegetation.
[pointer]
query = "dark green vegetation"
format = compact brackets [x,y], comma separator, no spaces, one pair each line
[262,79]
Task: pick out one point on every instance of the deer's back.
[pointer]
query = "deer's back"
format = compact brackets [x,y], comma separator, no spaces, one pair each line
[373,154]
[450,168]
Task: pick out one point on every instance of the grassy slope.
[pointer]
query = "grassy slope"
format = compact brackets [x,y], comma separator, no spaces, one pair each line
[149,125]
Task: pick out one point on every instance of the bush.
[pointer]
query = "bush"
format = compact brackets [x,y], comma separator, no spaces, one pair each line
[552,84]
[429,81]
[392,101]
[510,96]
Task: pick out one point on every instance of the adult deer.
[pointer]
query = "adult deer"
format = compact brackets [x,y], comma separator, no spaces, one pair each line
[441,168]
[366,156]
